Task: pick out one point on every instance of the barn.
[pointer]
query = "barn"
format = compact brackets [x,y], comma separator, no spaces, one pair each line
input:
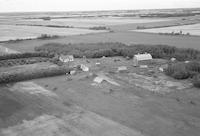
[141,57]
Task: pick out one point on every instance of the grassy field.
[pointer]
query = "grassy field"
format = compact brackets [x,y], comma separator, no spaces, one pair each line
[123,37]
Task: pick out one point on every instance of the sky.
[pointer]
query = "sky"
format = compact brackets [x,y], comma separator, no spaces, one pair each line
[87,5]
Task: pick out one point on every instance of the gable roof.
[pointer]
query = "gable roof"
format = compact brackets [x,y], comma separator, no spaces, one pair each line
[66,56]
[141,57]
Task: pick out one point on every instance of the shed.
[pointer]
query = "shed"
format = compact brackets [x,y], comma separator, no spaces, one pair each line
[84,68]
[66,58]
[161,69]
[122,68]
[141,57]
[98,80]
[101,77]
[143,66]
[173,59]
[187,62]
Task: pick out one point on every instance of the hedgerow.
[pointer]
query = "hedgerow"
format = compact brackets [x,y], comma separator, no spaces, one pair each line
[23,61]
[32,74]
[26,55]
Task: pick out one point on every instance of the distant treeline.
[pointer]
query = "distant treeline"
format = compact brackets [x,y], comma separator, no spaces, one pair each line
[97,50]
[164,15]
[99,28]
[55,26]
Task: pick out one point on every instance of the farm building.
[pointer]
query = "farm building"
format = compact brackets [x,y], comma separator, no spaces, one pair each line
[141,57]
[122,68]
[101,77]
[84,68]
[173,59]
[98,80]
[66,58]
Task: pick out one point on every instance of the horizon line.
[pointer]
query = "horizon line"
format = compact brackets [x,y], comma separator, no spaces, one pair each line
[99,10]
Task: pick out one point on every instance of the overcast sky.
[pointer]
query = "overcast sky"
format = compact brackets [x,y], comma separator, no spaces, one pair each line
[83,5]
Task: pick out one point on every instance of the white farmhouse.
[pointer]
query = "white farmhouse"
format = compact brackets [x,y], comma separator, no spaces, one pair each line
[141,57]
[66,58]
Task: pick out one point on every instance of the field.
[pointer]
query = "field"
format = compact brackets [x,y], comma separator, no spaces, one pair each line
[25,32]
[89,22]
[191,29]
[42,96]
[32,28]
[123,37]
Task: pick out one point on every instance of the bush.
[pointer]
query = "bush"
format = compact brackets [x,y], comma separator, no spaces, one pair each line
[181,74]
[196,81]
[182,70]
[177,71]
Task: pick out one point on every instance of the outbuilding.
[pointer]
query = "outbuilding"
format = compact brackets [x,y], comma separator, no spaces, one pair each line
[98,80]
[173,59]
[122,68]
[84,68]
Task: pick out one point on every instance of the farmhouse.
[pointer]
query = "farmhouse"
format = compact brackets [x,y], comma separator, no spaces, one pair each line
[66,58]
[141,57]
